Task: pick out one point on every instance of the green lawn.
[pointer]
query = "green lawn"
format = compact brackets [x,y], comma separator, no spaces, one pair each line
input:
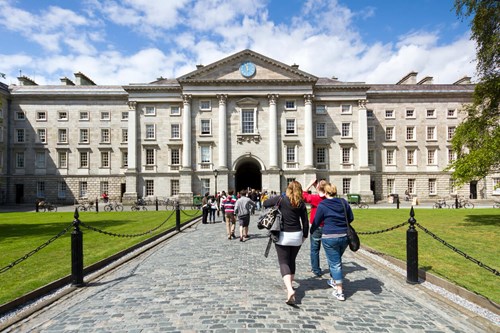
[474,232]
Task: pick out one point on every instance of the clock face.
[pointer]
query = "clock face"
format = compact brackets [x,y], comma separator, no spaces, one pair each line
[247,69]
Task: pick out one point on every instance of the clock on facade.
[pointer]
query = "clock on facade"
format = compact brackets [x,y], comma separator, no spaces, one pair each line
[247,69]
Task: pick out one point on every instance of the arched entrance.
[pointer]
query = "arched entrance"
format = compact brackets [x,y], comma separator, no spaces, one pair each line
[248,174]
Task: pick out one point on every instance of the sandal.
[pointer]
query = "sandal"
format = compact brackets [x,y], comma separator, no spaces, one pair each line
[291,299]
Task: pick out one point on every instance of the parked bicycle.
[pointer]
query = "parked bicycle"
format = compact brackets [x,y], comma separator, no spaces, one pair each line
[462,203]
[170,204]
[86,206]
[496,204]
[441,203]
[360,204]
[138,205]
[47,206]
[116,206]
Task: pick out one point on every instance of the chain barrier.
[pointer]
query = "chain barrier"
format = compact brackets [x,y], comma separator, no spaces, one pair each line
[462,253]
[196,212]
[126,235]
[381,231]
[29,254]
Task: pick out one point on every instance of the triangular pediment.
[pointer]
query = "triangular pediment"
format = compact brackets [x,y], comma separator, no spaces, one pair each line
[265,69]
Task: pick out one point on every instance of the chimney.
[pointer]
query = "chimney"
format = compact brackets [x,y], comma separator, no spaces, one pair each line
[464,80]
[82,80]
[295,66]
[199,66]
[426,80]
[26,81]
[66,82]
[410,78]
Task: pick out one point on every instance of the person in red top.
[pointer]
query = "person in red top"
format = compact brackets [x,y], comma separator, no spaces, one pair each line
[314,200]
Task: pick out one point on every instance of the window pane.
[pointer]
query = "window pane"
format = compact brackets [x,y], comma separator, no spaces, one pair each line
[247,122]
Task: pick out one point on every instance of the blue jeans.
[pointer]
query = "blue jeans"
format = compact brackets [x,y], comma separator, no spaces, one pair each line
[334,249]
[315,247]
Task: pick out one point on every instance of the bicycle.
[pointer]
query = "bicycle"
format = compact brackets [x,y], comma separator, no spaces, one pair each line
[169,204]
[47,206]
[441,204]
[496,204]
[86,206]
[116,206]
[360,204]
[137,207]
[462,203]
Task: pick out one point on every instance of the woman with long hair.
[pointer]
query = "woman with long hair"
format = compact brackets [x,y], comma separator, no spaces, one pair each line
[294,230]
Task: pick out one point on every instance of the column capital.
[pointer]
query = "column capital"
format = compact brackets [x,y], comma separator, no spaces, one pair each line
[273,98]
[362,103]
[308,98]
[132,105]
[222,98]
[186,98]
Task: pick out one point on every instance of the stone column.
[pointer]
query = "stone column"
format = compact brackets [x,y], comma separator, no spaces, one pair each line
[273,132]
[130,194]
[222,132]
[186,132]
[362,135]
[308,133]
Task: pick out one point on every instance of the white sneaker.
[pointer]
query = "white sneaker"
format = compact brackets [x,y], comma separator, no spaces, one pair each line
[331,283]
[338,295]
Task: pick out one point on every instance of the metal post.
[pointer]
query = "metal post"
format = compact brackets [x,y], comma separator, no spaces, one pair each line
[76,253]
[96,205]
[456,201]
[397,202]
[36,205]
[412,250]
[156,203]
[177,216]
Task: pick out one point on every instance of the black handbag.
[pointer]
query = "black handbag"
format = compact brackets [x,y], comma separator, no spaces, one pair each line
[352,235]
[269,217]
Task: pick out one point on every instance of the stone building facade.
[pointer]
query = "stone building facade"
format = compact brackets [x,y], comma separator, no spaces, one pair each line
[244,121]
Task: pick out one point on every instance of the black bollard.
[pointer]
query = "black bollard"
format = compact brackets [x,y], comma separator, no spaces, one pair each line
[76,253]
[156,202]
[96,205]
[397,202]
[456,201]
[177,216]
[36,205]
[412,250]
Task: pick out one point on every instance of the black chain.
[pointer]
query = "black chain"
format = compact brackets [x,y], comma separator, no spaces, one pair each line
[29,254]
[126,235]
[381,231]
[465,255]
[196,213]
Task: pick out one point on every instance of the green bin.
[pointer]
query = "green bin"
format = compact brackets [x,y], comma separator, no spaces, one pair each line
[353,198]
[197,200]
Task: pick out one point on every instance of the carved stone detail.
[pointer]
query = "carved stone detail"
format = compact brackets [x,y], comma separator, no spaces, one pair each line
[132,105]
[362,103]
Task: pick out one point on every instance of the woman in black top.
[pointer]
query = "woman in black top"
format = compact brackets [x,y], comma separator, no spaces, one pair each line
[295,229]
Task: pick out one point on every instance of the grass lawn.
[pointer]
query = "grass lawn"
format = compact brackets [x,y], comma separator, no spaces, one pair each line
[23,232]
[474,232]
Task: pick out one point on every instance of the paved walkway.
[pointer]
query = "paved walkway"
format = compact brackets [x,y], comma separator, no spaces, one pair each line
[199,280]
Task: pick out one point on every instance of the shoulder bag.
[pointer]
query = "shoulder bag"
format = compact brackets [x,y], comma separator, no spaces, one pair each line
[352,235]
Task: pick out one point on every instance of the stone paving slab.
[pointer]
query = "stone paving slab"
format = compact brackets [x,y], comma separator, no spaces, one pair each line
[199,281]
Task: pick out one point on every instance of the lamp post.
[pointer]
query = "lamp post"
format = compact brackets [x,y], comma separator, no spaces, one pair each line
[216,173]
[281,172]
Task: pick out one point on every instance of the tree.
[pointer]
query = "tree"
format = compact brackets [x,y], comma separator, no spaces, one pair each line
[477,139]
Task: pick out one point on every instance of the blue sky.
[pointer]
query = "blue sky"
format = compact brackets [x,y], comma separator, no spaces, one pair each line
[137,41]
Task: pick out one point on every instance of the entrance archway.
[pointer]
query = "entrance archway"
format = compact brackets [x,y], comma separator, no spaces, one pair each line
[248,174]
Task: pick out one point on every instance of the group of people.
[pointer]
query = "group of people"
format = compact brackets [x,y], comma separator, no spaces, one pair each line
[326,224]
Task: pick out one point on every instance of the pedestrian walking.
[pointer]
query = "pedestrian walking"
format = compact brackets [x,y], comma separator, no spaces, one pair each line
[212,203]
[228,205]
[204,209]
[295,229]
[242,209]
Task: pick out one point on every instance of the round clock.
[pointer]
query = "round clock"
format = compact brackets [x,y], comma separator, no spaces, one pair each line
[247,69]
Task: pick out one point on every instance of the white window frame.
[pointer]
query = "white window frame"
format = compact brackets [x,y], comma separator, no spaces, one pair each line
[62,159]
[84,116]
[346,130]
[371,157]
[346,186]
[321,109]
[430,113]
[41,134]
[391,188]
[410,114]
[20,160]
[40,189]
[291,156]
[62,115]
[105,159]
[432,186]
[20,135]
[452,156]
[321,155]
[410,133]
[40,160]
[149,132]
[389,114]
[83,160]
[41,115]
[431,133]
[411,186]
[370,114]
[124,158]
[175,187]
[125,115]
[204,124]
[205,105]
[243,121]
[105,138]
[371,133]
[495,185]
[345,155]
[290,126]
[321,132]
[451,113]
[175,157]
[345,108]
[175,131]
[390,157]
[205,152]
[431,156]
[62,135]
[124,135]
[149,187]
[450,131]
[390,133]
[84,135]
[411,156]
[290,105]
[149,157]
[83,189]
[175,110]
[149,111]
[20,115]
[105,115]
[62,188]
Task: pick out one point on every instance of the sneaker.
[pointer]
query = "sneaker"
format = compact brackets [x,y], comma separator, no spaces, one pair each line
[331,283]
[338,295]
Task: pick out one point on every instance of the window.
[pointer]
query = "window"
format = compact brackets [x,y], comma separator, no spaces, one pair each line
[290,126]
[205,105]
[432,187]
[84,159]
[62,135]
[389,134]
[40,160]
[451,132]
[105,135]
[104,159]
[410,133]
[431,156]
[431,113]
[20,160]
[370,114]
[411,186]
[125,115]
[389,157]
[346,130]
[20,135]
[371,157]
[84,135]
[321,130]
[150,157]
[390,186]
[41,134]
[389,114]
[431,133]
[174,187]
[452,113]
[62,116]
[124,159]
[320,109]
[291,156]
[41,116]
[124,134]
[452,156]
[175,156]
[205,185]
[320,156]
[346,185]
[175,131]
[290,105]
[150,132]
[206,127]
[84,115]
[104,187]
[175,110]
[62,159]
[247,121]
[20,115]
[410,157]
[496,186]
[205,155]
[410,113]
[82,189]
[61,190]
[150,187]
[40,189]
[149,111]
[105,115]
[371,133]
[346,155]
[346,109]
